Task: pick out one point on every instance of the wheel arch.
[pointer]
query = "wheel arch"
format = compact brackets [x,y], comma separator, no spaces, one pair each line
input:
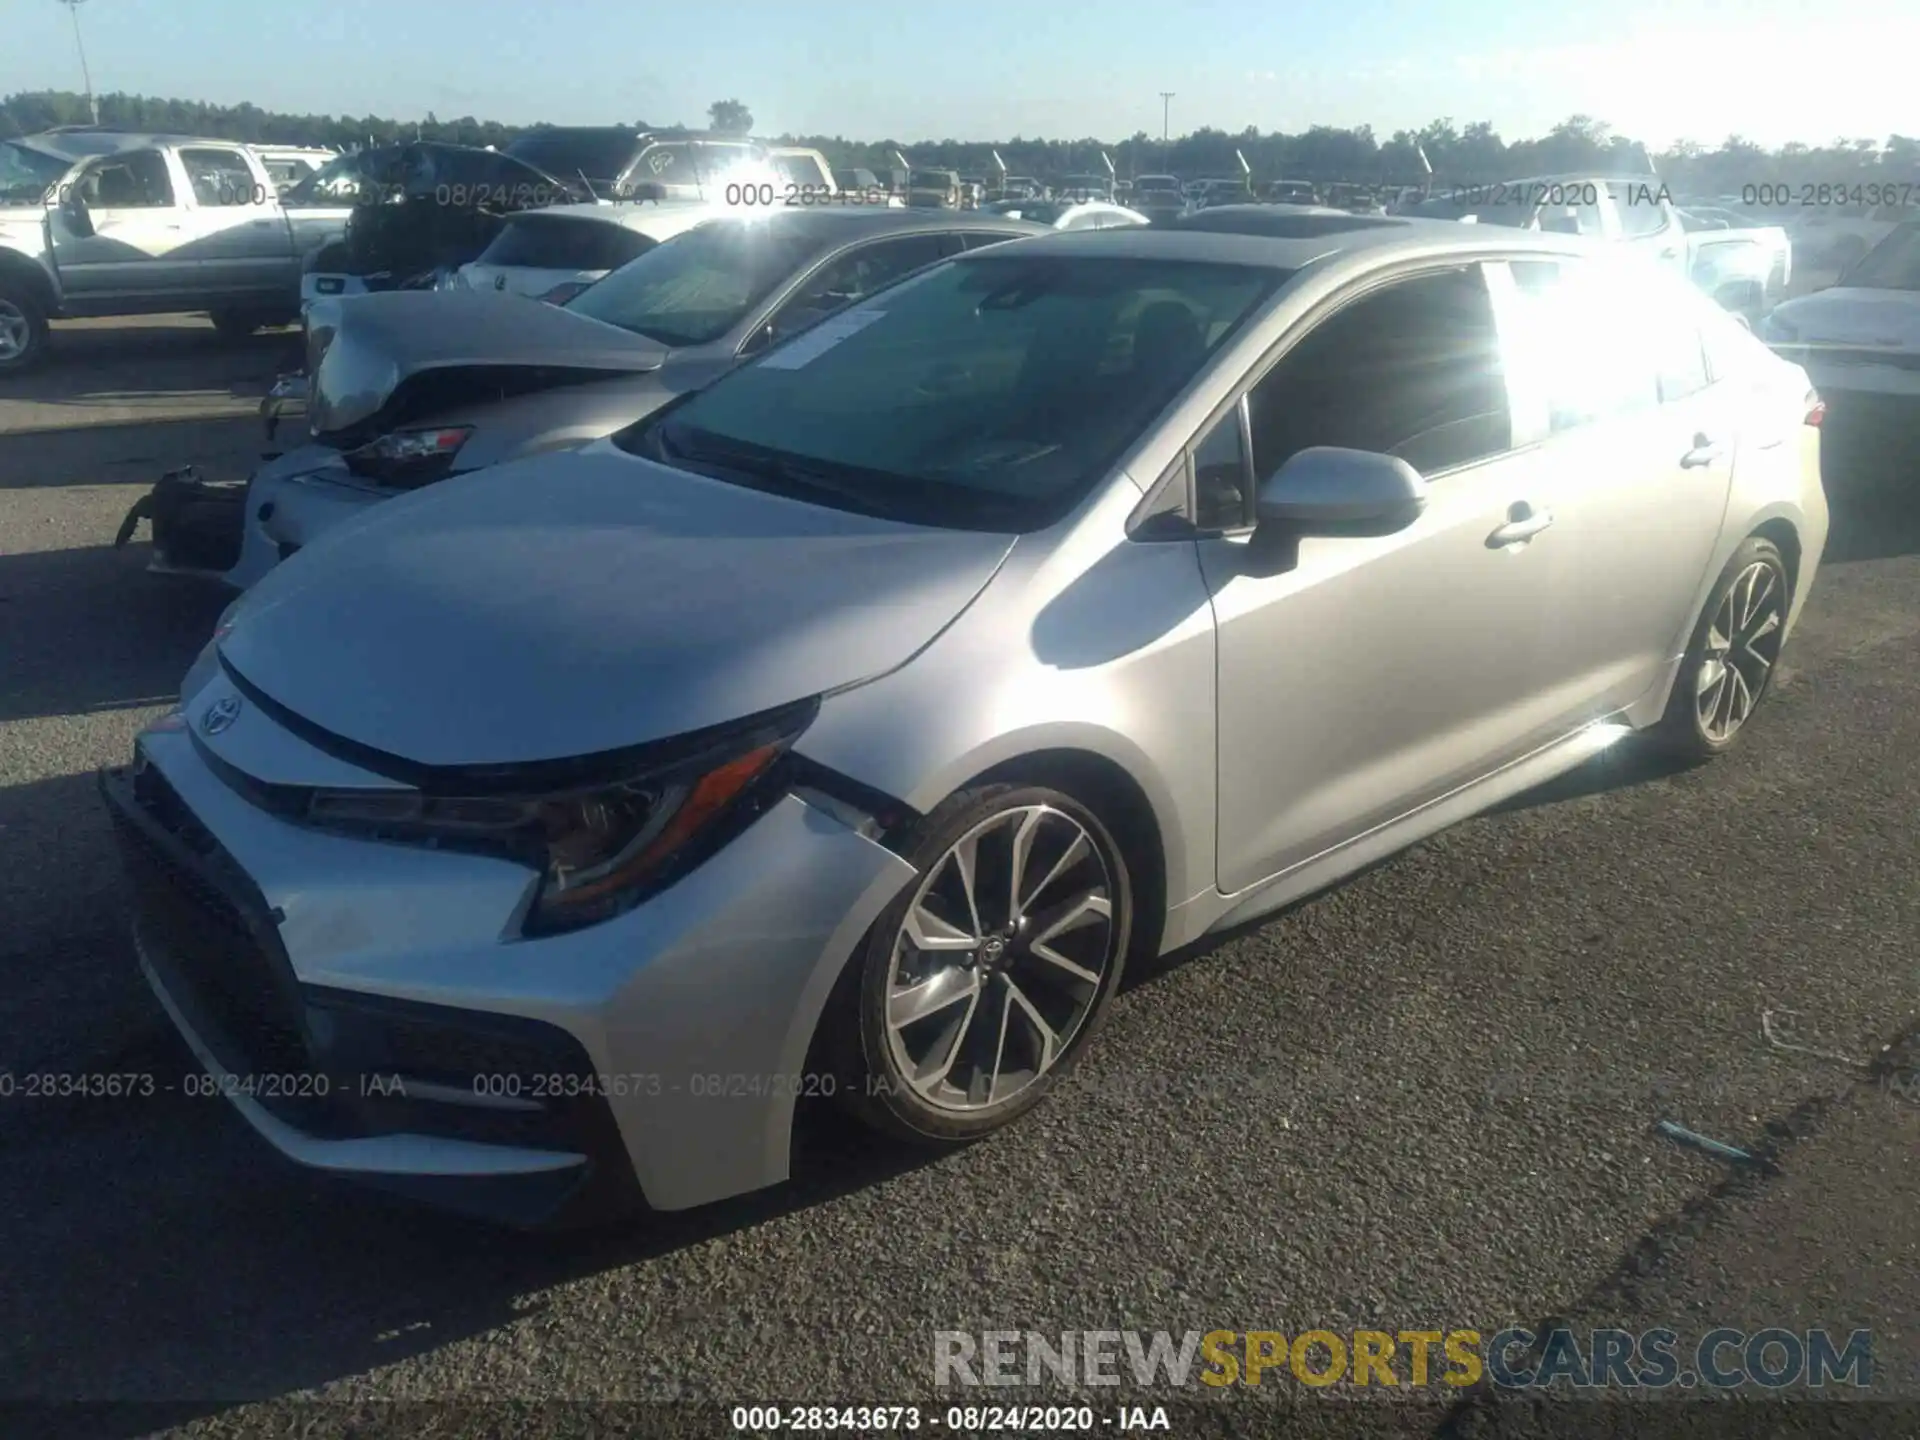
[18,269]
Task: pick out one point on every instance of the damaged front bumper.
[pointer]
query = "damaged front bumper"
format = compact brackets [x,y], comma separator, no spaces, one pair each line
[196,524]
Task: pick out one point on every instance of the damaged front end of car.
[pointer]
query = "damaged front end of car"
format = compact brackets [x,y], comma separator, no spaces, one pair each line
[195,524]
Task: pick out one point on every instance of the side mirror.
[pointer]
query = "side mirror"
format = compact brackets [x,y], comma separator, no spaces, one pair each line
[74,211]
[759,340]
[1331,491]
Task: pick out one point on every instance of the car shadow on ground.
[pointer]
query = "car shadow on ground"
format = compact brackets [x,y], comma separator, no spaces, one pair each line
[142,631]
[149,355]
[136,452]
[159,1252]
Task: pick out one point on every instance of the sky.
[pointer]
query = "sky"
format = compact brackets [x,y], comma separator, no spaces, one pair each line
[1656,70]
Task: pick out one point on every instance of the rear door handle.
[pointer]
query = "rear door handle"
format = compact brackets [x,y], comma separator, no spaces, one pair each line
[1524,524]
[1704,453]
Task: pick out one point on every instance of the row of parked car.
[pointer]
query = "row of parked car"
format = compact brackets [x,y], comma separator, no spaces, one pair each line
[817,657]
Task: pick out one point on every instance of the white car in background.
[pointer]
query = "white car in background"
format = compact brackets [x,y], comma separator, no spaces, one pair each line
[555,253]
[1836,237]
[1859,339]
[290,164]
[1071,214]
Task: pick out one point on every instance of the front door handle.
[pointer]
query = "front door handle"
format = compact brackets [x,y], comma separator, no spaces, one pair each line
[1704,452]
[1523,523]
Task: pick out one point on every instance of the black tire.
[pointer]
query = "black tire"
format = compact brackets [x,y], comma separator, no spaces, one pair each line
[859,1050]
[1684,731]
[20,304]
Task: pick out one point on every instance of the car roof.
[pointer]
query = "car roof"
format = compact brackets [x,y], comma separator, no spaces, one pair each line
[837,224]
[85,144]
[631,214]
[1399,239]
[1283,221]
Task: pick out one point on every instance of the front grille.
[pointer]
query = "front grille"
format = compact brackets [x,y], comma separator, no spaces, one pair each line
[204,939]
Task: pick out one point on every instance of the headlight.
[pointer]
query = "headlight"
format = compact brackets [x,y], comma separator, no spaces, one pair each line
[409,457]
[602,845]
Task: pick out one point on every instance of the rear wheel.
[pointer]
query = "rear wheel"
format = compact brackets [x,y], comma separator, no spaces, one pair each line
[1734,651]
[980,986]
[24,332]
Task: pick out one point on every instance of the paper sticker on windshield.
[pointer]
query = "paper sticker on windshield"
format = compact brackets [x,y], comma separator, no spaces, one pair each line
[820,339]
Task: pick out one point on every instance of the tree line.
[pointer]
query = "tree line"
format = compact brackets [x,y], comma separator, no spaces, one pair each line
[1452,154]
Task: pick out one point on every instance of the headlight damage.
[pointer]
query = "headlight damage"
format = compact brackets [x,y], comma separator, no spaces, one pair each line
[602,845]
[409,457]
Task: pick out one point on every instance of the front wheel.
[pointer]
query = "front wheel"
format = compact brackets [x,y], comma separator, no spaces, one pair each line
[1730,661]
[980,986]
[24,332]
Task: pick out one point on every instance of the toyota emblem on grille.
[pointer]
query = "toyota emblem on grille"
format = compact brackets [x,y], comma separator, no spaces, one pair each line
[221,715]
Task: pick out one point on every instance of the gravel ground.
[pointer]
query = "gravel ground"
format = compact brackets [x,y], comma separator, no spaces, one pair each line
[1423,1099]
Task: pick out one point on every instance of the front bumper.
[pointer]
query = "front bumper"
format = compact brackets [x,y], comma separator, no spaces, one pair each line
[196,524]
[372,1013]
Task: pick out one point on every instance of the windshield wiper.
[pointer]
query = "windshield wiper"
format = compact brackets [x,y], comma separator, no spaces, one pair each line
[795,477]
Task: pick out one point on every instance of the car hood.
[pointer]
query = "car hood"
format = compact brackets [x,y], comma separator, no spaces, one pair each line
[369,354]
[571,604]
[1857,318]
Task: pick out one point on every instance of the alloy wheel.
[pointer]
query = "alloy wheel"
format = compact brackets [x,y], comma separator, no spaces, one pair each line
[1000,959]
[1743,642]
[16,331]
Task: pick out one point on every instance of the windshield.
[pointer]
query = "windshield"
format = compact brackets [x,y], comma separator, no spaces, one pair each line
[1041,212]
[338,183]
[597,154]
[26,175]
[798,170]
[988,393]
[699,285]
[564,242]
[931,180]
[1893,264]
[1156,182]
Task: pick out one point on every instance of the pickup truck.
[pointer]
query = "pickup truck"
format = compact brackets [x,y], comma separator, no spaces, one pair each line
[96,223]
[1745,267]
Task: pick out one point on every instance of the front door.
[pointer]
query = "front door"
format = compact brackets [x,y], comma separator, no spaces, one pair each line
[1362,677]
[138,256]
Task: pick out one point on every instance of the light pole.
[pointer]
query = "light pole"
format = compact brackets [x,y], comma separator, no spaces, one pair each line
[1166,106]
[73,9]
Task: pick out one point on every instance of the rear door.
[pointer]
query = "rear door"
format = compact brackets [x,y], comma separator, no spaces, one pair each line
[139,254]
[241,245]
[1613,396]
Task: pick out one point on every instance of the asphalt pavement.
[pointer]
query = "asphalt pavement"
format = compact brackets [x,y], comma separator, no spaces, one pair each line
[1423,1100]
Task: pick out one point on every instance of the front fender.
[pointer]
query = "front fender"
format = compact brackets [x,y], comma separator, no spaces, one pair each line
[1113,659]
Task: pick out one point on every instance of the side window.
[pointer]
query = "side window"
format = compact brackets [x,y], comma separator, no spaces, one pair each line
[1222,478]
[1580,343]
[1679,356]
[1413,369]
[1589,220]
[137,180]
[1641,214]
[981,239]
[219,178]
[855,276]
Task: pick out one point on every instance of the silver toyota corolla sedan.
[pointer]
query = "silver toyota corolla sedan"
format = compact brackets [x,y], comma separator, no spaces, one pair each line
[847,727]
